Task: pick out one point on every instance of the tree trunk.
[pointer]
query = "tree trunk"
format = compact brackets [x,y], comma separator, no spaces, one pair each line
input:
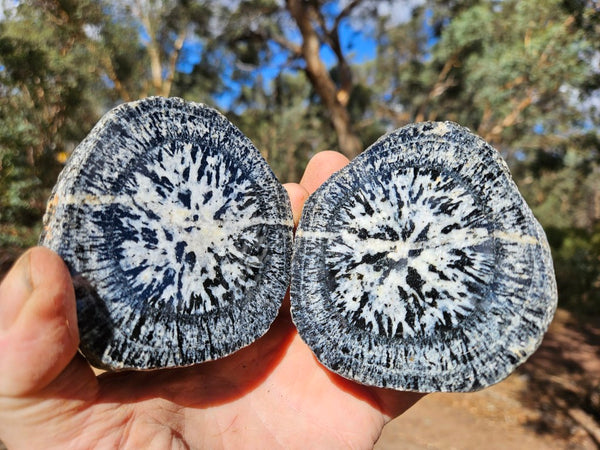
[348,142]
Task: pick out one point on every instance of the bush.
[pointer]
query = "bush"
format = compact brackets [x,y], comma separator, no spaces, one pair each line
[576,254]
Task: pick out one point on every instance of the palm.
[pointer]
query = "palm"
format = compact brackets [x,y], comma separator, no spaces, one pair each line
[272,393]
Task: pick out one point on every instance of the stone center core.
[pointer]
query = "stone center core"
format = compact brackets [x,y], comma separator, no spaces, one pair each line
[416,256]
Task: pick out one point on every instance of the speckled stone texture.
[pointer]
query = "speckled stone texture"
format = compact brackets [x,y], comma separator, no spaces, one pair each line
[176,232]
[420,267]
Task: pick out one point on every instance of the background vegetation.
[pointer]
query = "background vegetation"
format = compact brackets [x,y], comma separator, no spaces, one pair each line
[299,76]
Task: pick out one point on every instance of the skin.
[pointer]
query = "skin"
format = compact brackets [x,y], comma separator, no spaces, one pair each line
[271,394]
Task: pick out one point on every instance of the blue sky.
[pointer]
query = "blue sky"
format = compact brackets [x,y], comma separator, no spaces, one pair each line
[357,45]
[356,35]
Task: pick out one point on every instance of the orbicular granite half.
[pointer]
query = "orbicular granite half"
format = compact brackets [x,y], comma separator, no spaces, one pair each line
[176,232]
[420,267]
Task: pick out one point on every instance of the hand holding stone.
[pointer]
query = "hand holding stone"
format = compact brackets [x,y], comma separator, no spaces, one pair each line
[270,394]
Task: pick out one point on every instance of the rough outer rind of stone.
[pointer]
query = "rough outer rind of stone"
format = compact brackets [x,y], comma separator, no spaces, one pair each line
[420,267]
[176,232]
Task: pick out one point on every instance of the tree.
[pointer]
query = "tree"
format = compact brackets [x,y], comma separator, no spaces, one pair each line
[161,30]
[48,99]
[501,68]
[259,31]
[283,125]
[63,63]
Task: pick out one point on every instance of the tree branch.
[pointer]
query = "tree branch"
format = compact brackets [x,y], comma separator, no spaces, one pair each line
[288,45]
[110,72]
[322,23]
[442,84]
[320,78]
[177,46]
[345,13]
[153,50]
[511,118]
[345,72]
[262,36]
[332,38]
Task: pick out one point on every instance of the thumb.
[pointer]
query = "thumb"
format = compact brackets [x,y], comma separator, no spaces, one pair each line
[38,323]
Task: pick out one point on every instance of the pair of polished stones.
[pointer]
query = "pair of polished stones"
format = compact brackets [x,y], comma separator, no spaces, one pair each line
[418,266]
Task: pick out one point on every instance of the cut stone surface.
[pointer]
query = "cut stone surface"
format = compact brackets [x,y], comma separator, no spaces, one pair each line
[420,267]
[176,232]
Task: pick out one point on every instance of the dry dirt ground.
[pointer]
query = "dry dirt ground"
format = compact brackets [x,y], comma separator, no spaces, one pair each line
[551,402]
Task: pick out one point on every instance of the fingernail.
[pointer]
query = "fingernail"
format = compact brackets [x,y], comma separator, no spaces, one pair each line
[14,291]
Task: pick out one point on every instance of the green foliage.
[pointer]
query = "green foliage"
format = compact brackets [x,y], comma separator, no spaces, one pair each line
[283,125]
[48,100]
[62,65]
[562,185]
[576,254]
[510,62]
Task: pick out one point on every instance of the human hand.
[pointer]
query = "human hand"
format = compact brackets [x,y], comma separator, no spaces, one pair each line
[270,394]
